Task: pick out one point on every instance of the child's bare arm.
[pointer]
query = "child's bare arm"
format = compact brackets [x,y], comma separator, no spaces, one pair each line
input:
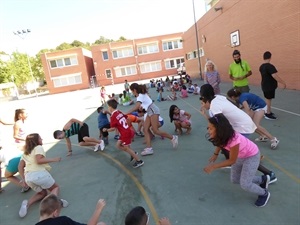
[95,217]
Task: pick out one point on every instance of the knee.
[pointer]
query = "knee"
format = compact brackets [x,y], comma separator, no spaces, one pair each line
[234,180]
[245,186]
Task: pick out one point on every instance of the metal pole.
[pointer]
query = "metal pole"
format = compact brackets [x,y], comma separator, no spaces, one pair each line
[197,42]
[21,34]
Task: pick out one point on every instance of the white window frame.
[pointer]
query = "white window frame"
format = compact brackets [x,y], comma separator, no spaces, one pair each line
[172,45]
[173,63]
[122,53]
[148,48]
[110,74]
[149,67]
[128,70]
[194,54]
[103,56]
[67,80]
[60,62]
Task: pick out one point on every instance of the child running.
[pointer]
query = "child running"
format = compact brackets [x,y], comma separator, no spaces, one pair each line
[119,121]
[144,101]
[181,118]
[244,158]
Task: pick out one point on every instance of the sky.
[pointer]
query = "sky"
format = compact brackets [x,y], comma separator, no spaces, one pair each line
[53,22]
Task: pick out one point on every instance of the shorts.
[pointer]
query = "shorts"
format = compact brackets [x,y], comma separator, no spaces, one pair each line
[83,132]
[13,164]
[152,110]
[126,140]
[39,180]
[243,89]
[161,123]
[269,94]
[264,109]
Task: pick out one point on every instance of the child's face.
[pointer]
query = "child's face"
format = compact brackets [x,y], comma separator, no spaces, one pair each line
[205,105]
[61,136]
[176,110]
[211,130]
[134,92]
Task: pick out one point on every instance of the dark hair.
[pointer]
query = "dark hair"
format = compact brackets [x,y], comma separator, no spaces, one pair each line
[99,109]
[171,112]
[18,112]
[267,55]
[112,103]
[136,216]
[120,95]
[140,88]
[236,52]
[49,204]
[57,133]
[207,92]
[183,87]
[224,130]
[32,140]
[233,93]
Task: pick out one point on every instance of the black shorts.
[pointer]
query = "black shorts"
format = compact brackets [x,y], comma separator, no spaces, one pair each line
[269,94]
[83,132]
[104,134]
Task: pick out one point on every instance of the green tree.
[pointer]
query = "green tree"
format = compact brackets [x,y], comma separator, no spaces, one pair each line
[121,39]
[102,40]
[64,46]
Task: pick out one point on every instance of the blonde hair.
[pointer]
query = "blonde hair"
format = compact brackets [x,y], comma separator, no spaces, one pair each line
[214,67]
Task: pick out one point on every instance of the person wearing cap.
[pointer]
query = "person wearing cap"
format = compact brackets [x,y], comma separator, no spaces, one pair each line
[239,71]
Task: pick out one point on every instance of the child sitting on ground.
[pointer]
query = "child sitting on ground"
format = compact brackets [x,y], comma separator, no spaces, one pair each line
[172,96]
[184,93]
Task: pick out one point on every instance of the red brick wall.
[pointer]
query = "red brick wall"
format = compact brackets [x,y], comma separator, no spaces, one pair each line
[264,26]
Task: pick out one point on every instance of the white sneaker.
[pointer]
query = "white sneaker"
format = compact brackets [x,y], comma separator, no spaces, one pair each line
[175,141]
[102,145]
[97,148]
[147,151]
[274,143]
[23,209]
[64,203]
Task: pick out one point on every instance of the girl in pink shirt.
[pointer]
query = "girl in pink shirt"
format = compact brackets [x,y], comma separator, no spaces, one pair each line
[244,158]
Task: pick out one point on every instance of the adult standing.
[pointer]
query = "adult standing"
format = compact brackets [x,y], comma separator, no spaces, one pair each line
[269,83]
[239,71]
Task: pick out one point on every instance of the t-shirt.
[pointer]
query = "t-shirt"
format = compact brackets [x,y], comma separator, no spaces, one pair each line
[30,160]
[239,70]
[181,116]
[184,93]
[239,120]
[74,129]
[61,220]
[254,101]
[102,120]
[119,121]
[246,147]
[268,82]
[145,100]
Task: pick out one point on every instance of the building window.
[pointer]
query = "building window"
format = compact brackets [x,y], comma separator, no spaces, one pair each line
[173,63]
[147,49]
[62,62]
[122,53]
[108,74]
[194,54]
[67,80]
[150,67]
[171,45]
[125,71]
[105,55]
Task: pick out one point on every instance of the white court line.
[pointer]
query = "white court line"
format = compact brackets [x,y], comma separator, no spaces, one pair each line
[296,114]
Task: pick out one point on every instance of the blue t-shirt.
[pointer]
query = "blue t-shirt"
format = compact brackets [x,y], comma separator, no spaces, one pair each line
[254,101]
[102,120]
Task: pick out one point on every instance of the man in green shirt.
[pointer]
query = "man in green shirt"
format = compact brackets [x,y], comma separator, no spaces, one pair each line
[239,70]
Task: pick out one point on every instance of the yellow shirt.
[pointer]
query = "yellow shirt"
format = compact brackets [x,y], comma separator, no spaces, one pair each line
[30,160]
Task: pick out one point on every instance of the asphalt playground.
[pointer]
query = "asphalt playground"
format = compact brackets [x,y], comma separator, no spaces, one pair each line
[172,182]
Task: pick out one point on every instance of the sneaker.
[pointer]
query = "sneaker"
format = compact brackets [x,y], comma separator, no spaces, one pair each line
[273,178]
[147,151]
[140,134]
[261,139]
[23,209]
[64,203]
[265,181]
[102,145]
[138,164]
[25,189]
[131,158]
[270,116]
[175,141]
[274,143]
[116,137]
[97,148]
[262,200]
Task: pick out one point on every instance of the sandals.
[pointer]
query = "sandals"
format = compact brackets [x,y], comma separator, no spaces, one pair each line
[261,139]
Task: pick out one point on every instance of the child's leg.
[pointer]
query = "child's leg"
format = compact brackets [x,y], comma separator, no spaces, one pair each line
[54,189]
[258,115]
[147,124]
[127,149]
[154,124]
[88,141]
[37,197]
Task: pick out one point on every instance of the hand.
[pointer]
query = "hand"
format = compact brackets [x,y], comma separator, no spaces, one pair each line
[100,204]
[213,158]
[164,221]
[104,129]
[57,159]
[208,169]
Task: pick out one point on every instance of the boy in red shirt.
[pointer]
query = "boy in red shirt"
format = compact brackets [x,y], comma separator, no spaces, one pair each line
[119,121]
